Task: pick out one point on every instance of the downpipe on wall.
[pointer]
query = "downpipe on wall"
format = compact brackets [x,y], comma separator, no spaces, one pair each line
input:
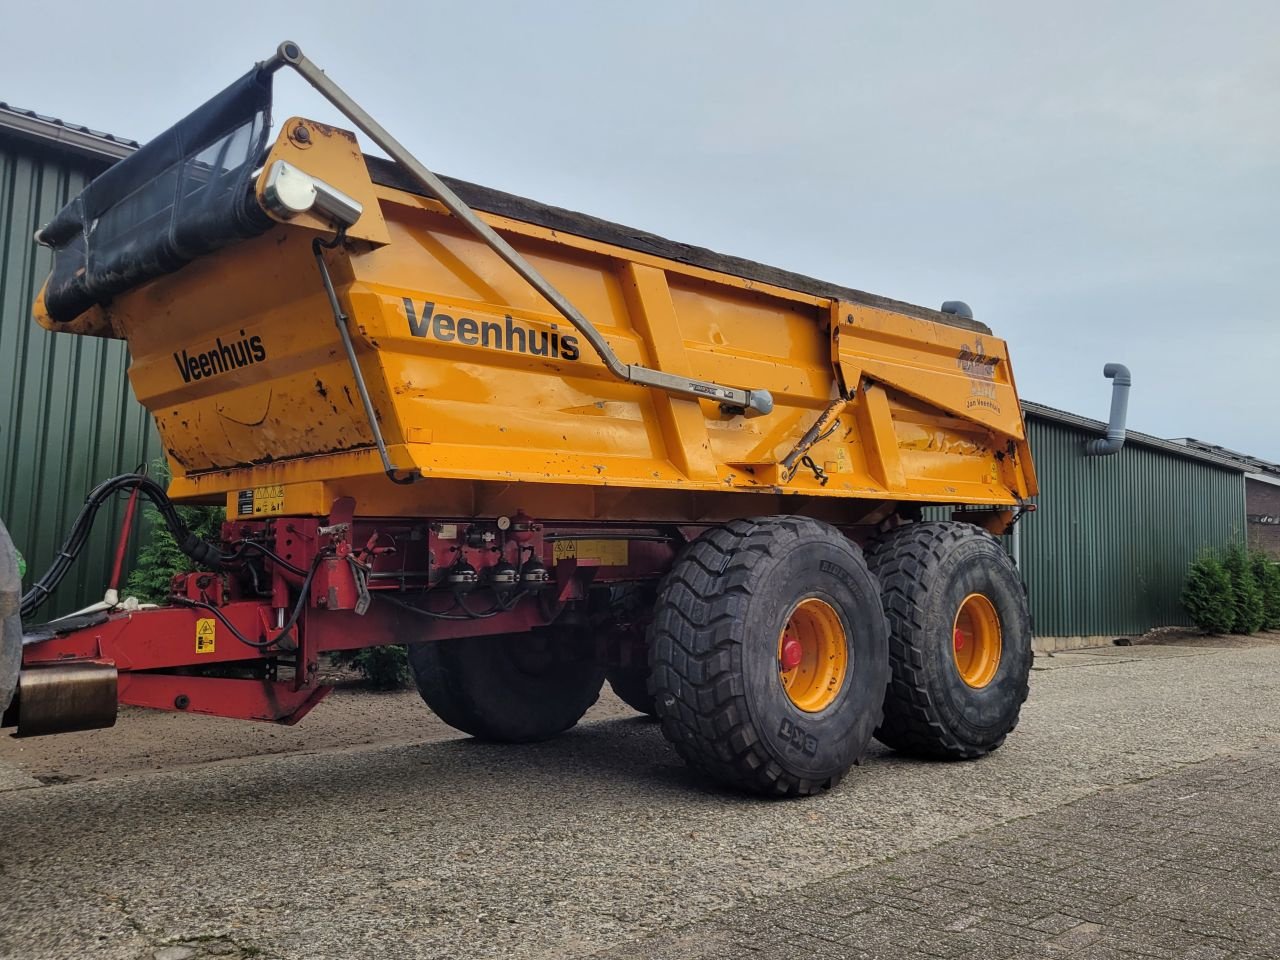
[1121,380]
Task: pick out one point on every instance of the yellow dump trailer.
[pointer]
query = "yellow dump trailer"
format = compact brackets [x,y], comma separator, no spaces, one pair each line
[543,449]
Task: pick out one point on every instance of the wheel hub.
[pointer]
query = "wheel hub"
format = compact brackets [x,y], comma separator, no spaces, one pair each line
[813,655]
[977,640]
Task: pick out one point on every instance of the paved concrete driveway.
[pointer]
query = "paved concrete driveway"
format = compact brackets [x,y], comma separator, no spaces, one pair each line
[601,842]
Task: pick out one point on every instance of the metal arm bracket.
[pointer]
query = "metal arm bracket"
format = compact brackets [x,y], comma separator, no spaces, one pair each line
[731,399]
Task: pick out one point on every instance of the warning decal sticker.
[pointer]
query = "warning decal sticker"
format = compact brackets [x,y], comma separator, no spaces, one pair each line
[260,501]
[204,634]
[604,553]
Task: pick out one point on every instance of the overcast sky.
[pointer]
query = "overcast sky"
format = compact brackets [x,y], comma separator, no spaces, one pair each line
[1100,181]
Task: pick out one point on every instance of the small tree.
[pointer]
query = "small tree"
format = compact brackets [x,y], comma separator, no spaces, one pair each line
[1250,612]
[1208,596]
[1267,572]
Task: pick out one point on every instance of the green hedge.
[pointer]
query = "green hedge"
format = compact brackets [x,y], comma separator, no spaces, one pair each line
[1237,592]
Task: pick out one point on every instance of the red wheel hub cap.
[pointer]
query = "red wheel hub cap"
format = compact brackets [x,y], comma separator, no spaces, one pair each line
[792,653]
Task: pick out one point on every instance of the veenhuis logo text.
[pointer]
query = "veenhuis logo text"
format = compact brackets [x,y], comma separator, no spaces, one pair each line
[507,335]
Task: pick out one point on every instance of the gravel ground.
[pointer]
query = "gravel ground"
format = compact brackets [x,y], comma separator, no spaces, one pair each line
[456,849]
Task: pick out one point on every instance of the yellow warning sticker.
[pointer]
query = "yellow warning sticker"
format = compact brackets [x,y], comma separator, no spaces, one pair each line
[260,501]
[205,634]
[603,553]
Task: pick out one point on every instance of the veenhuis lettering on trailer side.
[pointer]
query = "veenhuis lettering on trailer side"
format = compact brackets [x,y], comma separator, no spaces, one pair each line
[505,335]
[220,358]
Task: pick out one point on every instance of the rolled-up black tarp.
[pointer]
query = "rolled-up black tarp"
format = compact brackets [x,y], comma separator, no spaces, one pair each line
[184,194]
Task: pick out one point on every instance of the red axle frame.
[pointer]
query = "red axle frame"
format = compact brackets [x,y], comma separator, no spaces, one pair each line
[220,647]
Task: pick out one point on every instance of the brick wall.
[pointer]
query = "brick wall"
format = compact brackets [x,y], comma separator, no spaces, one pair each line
[1262,506]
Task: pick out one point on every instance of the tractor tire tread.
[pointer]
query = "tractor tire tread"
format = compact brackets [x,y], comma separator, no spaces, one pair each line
[691,650]
[904,560]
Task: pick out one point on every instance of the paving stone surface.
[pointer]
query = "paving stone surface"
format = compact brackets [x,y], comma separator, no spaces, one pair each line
[1132,813]
[1186,865]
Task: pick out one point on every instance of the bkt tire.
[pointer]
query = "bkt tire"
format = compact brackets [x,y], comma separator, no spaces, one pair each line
[10,619]
[960,643]
[512,688]
[769,654]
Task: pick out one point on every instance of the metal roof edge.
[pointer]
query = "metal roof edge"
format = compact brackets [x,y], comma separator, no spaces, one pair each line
[1270,478]
[1033,409]
[1250,462]
[81,140]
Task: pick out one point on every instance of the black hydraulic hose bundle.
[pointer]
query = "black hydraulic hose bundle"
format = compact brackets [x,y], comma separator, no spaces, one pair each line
[205,555]
[202,553]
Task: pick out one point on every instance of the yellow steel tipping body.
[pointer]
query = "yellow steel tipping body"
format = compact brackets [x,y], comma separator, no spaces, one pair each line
[500,405]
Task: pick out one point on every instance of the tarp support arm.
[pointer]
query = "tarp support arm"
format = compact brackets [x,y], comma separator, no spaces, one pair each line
[750,402]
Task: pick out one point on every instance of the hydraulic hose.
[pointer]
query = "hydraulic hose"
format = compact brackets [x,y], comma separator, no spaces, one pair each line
[202,553]
[304,592]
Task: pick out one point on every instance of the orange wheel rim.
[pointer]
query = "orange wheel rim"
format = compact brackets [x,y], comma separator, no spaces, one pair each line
[813,655]
[976,640]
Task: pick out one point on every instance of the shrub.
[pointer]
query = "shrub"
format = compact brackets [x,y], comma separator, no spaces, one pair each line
[385,668]
[1267,572]
[1250,612]
[1208,596]
[159,557]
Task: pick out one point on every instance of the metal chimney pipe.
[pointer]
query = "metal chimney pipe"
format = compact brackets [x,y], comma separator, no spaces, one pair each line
[1121,380]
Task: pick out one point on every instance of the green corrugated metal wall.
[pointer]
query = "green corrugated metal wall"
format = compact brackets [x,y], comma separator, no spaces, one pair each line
[1107,550]
[67,418]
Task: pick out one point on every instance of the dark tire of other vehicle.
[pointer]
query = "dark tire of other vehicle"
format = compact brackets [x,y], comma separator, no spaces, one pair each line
[631,684]
[10,619]
[511,688]
[769,654]
[960,642]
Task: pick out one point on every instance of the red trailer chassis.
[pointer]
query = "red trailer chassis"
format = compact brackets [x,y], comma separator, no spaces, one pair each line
[246,641]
